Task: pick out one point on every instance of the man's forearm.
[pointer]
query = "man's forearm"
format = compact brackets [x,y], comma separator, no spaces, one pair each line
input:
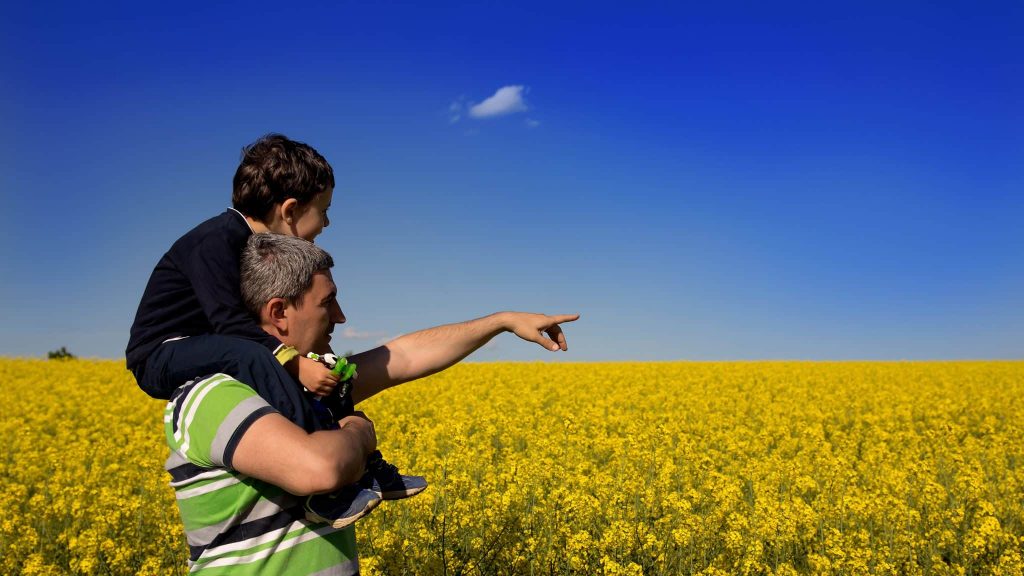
[277,451]
[429,351]
[345,457]
[421,353]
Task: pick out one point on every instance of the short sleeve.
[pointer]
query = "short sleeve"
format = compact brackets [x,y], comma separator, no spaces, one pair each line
[209,418]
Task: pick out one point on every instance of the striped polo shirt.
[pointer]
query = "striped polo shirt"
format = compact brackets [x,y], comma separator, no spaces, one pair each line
[236,524]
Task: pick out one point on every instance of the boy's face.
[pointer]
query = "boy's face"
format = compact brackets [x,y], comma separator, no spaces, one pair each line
[311,219]
[312,318]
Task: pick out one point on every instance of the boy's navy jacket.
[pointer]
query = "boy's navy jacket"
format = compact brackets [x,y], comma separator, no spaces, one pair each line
[194,290]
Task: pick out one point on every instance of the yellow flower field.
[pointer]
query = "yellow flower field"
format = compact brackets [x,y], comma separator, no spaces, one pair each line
[644,468]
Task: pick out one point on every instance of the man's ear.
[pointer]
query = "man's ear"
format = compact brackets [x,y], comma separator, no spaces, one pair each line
[275,313]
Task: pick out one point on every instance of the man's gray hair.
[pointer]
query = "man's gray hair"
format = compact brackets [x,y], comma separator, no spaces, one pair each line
[279,266]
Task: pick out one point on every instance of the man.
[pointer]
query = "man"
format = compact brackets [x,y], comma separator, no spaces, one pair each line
[240,469]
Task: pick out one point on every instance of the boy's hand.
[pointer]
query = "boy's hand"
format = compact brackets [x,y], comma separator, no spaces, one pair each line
[316,377]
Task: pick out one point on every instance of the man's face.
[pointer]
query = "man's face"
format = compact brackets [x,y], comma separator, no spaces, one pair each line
[312,318]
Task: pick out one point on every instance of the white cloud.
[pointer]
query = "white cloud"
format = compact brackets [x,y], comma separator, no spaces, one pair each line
[531,123]
[507,100]
[352,333]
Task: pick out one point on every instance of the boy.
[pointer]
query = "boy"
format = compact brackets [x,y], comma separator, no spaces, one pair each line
[191,321]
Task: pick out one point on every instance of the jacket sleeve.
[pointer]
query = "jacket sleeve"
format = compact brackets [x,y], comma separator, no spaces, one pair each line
[213,270]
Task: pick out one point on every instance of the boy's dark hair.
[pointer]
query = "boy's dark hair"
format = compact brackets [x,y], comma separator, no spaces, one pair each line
[274,169]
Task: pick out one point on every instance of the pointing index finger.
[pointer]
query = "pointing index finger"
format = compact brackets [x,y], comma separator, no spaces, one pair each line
[560,318]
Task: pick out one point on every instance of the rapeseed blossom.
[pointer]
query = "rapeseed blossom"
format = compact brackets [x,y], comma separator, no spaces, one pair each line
[640,468]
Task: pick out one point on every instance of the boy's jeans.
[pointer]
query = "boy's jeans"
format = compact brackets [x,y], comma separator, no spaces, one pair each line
[178,361]
[333,407]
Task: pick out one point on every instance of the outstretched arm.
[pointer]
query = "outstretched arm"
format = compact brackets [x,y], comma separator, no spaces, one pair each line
[429,351]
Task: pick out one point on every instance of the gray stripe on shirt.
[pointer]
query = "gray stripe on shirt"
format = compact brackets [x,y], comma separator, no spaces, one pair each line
[344,569]
[174,460]
[261,509]
[230,425]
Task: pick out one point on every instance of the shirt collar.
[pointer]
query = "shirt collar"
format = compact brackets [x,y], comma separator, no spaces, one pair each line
[244,219]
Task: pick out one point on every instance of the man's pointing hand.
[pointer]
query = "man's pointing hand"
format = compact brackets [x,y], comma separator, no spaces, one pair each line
[533,327]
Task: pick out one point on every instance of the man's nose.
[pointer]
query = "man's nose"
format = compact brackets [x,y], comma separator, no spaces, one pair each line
[337,316]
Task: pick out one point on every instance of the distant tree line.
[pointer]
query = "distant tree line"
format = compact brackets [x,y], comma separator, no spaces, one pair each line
[61,354]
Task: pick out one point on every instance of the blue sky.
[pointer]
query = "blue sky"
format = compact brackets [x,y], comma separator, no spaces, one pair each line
[707,181]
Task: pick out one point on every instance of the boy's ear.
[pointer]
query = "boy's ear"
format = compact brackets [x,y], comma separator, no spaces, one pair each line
[288,210]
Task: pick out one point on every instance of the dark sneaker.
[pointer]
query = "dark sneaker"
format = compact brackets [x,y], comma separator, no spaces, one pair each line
[386,481]
[341,508]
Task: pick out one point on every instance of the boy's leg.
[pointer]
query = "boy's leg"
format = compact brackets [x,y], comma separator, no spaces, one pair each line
[177,362]
[340,405]
[251,363]
[381,476]
[151,377]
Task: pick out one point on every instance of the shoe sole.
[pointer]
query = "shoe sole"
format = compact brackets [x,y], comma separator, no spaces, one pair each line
[340,523]
[400,494]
